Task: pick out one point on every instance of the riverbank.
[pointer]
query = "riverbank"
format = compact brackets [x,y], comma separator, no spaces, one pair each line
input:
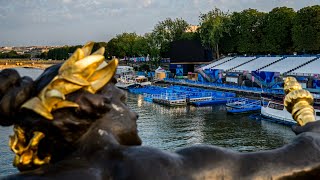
[24,63]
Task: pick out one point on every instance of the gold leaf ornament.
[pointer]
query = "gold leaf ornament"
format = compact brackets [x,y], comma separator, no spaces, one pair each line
[26,154]
[82,70]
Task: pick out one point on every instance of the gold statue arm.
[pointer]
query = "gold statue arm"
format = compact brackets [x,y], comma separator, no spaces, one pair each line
[298,102]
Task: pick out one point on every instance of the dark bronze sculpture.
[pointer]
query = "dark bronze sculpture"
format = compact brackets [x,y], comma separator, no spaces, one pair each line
[73,123]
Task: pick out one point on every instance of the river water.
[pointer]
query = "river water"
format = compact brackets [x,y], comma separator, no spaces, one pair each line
[177,127]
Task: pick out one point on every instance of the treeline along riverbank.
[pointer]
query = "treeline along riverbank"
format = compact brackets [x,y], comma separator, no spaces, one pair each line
[280,31]
[40,64]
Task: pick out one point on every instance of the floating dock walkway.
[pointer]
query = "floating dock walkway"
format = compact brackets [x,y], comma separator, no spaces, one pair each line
[243,105]
[183,92]
[182,95]
[240,90]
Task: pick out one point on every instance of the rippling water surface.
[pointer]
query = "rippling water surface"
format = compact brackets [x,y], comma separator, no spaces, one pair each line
[176,127]
[171,128]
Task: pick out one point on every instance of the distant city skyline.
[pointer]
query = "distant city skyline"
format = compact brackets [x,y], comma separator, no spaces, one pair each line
[74,22]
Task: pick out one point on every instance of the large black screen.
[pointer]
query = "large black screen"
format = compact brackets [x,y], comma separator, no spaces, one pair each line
[189,51]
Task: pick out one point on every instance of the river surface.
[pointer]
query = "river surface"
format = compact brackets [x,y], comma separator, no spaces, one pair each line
[177,127]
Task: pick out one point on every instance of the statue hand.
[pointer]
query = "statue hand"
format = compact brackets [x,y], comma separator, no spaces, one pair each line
[14,91]
[309,127]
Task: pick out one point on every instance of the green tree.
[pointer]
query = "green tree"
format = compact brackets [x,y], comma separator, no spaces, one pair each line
[167,31]
[153,49]
[98,45]
[61,52]
[212,28]
[230,37]
[306,30]
[113,48]
[43,55]
[126,42]
[14,54]
[277,31]
[140,47]
[122,45]
[190,36]
[249,26]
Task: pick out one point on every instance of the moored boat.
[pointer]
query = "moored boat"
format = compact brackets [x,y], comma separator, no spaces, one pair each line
[274,110]
[243,105]
[142,81]
[125,82]
[126,76]
[129,81]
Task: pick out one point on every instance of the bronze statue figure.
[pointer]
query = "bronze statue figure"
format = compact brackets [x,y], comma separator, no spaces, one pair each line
[73,123]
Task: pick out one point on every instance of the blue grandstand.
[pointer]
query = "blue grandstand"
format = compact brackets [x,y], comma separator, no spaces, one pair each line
[263,71]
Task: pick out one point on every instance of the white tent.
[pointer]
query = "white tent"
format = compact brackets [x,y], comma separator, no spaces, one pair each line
[160,69]
[160,73]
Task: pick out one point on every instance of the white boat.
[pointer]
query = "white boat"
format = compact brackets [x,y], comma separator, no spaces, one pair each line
[142,81]
[125,84]
[129,81]
[274,110]
[126,77]
[125,70]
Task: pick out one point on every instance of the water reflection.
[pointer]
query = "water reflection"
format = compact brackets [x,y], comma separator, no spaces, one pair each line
[139,100]
[170,128]
[33,73]
[6,156]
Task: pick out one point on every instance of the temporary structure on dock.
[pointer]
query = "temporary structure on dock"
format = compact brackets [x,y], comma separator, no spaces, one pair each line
[160,73]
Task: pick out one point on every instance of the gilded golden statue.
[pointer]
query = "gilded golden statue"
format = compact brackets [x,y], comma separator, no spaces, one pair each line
[73,123]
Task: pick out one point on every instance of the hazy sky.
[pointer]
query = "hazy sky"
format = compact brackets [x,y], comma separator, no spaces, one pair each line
[70,22]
